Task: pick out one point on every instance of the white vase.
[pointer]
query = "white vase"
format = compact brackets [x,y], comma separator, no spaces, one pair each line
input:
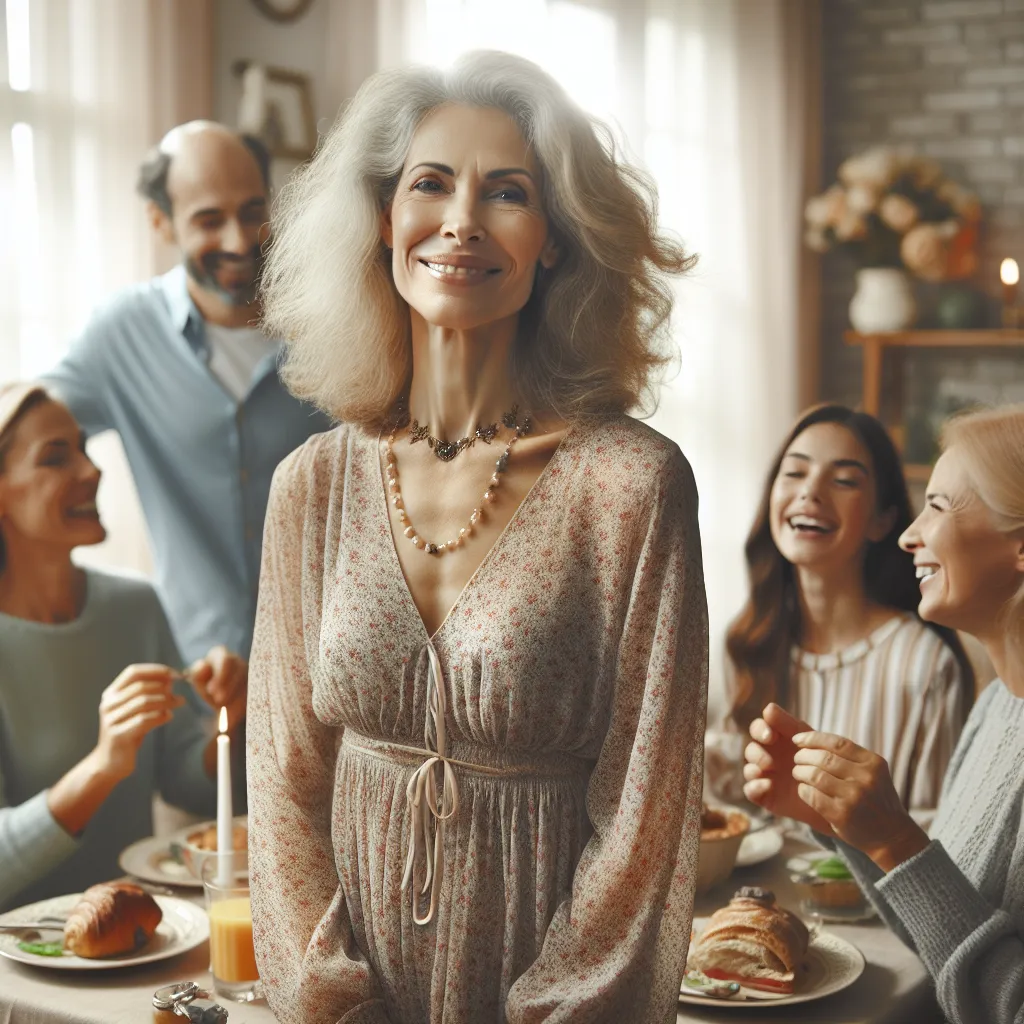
[883,301]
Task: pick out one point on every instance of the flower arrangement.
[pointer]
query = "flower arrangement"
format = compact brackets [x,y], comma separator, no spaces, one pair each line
[891,208]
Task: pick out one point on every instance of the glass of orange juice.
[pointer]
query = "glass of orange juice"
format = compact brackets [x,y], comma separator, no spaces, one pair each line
[232,957]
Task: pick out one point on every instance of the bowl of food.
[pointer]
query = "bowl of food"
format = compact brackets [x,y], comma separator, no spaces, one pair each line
[196,844]
[721,832]
[827,888]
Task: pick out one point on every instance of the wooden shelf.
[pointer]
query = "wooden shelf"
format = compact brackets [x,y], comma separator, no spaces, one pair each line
[875,347]
[938,339]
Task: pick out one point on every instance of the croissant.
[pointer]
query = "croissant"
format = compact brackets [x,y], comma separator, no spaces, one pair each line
[110,919]
[752,941]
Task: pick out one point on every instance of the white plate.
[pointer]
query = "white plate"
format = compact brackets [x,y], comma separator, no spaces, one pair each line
[151,860]
[832,965]
[759,846]
[184,926]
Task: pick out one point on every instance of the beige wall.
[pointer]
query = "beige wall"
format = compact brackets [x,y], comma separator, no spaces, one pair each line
[334,43]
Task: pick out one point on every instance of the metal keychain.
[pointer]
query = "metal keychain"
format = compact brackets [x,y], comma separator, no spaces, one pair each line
[188,1000]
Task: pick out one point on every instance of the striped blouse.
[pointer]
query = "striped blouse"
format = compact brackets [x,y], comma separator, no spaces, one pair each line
[898,692]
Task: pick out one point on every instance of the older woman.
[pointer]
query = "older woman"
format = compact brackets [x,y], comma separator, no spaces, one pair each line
[77,645]
[957,897]
[479,676]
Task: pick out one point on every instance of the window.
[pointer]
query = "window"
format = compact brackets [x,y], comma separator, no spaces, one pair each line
[72,129]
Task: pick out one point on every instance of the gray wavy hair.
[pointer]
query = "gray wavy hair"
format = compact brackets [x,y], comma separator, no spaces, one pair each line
[594,332]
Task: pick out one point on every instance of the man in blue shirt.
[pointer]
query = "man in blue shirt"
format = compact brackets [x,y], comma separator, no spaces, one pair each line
[178,368]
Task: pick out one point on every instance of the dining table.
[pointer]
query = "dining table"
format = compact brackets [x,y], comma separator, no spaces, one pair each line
[123,995]
[893,989]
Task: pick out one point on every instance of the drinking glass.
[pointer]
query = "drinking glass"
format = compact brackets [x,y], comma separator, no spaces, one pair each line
[232,957]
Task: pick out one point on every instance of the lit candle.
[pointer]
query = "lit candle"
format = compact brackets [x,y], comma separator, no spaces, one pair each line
[1009,274]
[225,844]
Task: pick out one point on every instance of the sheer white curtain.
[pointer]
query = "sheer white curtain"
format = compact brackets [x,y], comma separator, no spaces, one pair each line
[86,86]
[731,95]
[713,97]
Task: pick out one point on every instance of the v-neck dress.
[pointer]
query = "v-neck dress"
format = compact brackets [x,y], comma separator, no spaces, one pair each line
[573,678]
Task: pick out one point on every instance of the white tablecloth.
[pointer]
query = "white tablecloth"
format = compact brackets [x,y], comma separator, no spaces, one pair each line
[894,988]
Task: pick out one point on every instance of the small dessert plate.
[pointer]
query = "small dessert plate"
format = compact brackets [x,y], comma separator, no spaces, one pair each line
[759,846]
[183,927]
[801,871]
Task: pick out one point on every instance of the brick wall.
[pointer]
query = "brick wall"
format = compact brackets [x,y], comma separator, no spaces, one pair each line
[946,76]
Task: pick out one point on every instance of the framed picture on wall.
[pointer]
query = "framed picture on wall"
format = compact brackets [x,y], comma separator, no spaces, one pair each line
[277,106]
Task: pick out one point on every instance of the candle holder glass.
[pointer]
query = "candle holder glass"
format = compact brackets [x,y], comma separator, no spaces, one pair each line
[232,956]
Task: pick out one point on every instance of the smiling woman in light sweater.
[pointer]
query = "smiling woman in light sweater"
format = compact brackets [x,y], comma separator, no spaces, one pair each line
[957,897]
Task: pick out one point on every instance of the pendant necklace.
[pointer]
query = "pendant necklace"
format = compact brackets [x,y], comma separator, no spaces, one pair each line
[441,450]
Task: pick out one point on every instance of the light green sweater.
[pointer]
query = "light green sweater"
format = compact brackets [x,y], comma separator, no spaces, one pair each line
[960,902]
[51,680]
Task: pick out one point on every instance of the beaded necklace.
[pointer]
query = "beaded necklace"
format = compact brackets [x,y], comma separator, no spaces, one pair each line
[510,420]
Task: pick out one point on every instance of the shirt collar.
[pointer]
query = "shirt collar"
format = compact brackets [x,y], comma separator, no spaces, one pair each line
[179,302]
[187,319]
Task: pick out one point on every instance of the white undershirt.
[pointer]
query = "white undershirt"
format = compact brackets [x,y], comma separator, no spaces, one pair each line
[235,352]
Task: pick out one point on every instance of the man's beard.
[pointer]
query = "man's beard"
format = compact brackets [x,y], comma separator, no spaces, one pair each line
[204,272]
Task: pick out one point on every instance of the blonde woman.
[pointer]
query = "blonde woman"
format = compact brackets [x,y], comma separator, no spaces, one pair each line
[957,897]
[478,684]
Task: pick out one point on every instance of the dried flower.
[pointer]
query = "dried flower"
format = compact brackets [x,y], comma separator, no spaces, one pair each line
[862,198]
[816,239]
[962,257]
[899,213]
[924,252]
[851,227]
[963,203]
[925,172]
[875,167]
[828,209]
[891,206]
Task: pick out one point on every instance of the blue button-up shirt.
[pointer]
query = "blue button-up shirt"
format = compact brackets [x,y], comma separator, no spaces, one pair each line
[202,462]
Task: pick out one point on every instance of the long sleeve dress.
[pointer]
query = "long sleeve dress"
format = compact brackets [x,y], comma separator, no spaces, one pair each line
[568,686]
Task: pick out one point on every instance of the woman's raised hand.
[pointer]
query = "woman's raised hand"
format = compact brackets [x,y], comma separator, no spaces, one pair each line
[769,768]
[832,784]
[222,680]
[851,788]
[138,701]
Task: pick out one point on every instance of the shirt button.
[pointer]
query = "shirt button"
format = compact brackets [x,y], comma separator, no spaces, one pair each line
[250,533]
[243,475]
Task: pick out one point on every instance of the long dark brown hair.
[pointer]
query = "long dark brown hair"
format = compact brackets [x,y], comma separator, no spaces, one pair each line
[759,639]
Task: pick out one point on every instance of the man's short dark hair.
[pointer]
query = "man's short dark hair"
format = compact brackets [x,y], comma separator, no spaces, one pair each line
[152,180]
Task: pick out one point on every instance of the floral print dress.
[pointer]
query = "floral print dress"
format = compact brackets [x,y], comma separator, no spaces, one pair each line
[555,837]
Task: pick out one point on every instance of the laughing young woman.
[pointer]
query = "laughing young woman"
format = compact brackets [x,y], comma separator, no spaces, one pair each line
[830,630]
[479,676]
[958,897]
[71,800]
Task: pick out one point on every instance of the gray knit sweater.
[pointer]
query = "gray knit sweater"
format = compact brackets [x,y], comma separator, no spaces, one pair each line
[960,902]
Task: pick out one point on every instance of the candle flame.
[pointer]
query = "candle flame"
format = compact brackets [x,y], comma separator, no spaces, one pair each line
[1009,272]
[223,722]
